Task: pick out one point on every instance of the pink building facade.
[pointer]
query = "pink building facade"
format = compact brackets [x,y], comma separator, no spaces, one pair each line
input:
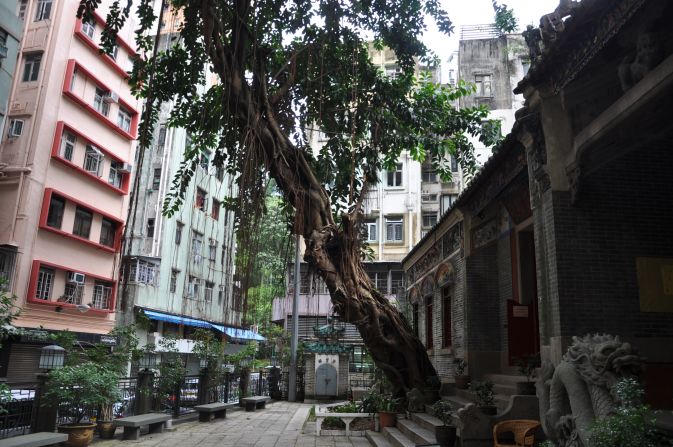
[67,150]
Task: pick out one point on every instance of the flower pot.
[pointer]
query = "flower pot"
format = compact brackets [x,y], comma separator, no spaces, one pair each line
[387,419]
[462,382]
[79,435]
[446,435]
[525,388]
[490,410]
[106,429]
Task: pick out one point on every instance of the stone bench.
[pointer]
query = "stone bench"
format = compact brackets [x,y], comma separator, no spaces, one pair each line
[39,439]
[132,424]
[255,402]
[213,411]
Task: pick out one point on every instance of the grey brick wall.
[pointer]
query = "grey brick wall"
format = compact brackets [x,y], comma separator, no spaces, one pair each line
[482,305]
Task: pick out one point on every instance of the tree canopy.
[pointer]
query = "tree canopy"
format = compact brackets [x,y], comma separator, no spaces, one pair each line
[284,67]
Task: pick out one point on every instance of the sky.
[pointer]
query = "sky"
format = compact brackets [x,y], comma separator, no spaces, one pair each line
[476,12]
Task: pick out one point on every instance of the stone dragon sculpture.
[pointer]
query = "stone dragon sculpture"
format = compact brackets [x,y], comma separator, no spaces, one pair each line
[578,390]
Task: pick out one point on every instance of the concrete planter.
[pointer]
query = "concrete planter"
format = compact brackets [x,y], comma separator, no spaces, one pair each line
[322,412]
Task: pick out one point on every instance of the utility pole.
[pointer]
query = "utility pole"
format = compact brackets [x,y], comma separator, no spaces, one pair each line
[292,386]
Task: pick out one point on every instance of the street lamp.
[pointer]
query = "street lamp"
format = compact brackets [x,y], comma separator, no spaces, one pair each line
[52,357]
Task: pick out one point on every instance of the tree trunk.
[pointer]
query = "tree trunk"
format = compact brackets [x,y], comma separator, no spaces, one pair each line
[332,250]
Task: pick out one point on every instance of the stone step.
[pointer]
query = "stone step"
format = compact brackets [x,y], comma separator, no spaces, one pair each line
[426,421]
[505,379]
[396,437]
[504,389]
[377,439]
[415,432]
[466,397]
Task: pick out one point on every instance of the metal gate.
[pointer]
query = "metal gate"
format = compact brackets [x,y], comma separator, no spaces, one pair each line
[326,380]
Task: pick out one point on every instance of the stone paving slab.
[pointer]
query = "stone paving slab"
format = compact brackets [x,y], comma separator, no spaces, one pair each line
[281,424]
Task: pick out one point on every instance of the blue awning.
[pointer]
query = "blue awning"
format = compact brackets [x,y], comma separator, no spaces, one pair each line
[242,334]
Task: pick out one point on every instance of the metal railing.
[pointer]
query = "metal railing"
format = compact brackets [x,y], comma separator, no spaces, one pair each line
[15,420]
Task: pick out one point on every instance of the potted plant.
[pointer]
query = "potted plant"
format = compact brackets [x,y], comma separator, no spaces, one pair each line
[527,366]
[387,407]
[445,433]
[462,380]
[484,395]
[76,389]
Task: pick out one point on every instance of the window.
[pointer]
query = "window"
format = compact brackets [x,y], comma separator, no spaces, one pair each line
[143,272]
[215,211]
[394,226]
[82,226]
[73,80]
[161,141]
[68,142]
[212,253]
[397,282]
[174,280]
[201,198]
[43,10]
[220,294]
[31,67]
[156,179]
[219,173]
[429,220]
[99,103]
[89,28]
[93,160]
[224,255]
[108,230]
[209,291]
[193,287]
[414,317]
[395,177]
[45,282]
[483,83]
[446,317]
[360,360]
[7,259]
[55,215]
[72,293]
[150,227]
[115,52]
[369,230]
[447,201]
[23,5]
[428,322]
[178,232]
[428,197]
[102,292]
[454,164]
[204,160]
[116,176]
[124,119]
[429,175]
[15,128]
[197,242]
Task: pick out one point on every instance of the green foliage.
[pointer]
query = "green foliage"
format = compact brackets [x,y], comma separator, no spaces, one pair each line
[208,347]
[370,401]
[483,393]
[387,403]
[505,20]
[631,425]
[350,407]
[527,366]
[81,387]
[459,365]
[8,312]
[443,410]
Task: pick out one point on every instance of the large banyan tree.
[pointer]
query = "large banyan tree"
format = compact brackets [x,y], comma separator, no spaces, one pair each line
[284,67]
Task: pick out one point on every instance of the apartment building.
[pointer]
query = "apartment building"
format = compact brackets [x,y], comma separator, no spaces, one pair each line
[67,143]
[11,29]
[181,268]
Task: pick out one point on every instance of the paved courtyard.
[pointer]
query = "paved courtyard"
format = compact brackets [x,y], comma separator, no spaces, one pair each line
[281,424]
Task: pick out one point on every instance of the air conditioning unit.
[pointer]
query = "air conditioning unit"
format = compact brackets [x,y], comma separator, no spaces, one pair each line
[111,97]
[15,128]
[76,277]
[126,168]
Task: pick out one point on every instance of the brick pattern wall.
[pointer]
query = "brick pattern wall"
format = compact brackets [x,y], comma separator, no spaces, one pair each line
[625,211]
[309,376]
[504,259]
[482,304]
[342,376]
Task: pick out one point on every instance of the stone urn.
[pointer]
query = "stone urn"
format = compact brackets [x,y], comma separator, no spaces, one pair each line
[387,419]
[79,435]
[106,429]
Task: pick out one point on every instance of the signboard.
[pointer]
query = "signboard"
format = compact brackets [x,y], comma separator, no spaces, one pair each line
[520,311]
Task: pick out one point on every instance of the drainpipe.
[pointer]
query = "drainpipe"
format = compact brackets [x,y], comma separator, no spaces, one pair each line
[292,386]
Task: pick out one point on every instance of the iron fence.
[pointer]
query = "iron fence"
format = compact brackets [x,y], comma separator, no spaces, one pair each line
[15,420]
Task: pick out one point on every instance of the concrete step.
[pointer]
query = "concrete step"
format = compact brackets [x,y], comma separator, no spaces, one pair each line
[377,439]
[415,432]
[504,389]
[426,421]
[466,397]
[505,379]
[396,437]
[457,401]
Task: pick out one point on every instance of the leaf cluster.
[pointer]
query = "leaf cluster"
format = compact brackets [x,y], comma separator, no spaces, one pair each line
[505,20]
[483,393]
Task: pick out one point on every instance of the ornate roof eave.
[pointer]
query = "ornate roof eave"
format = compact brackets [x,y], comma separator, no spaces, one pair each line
[560,48]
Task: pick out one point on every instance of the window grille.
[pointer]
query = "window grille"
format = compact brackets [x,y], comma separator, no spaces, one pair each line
[45,282]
